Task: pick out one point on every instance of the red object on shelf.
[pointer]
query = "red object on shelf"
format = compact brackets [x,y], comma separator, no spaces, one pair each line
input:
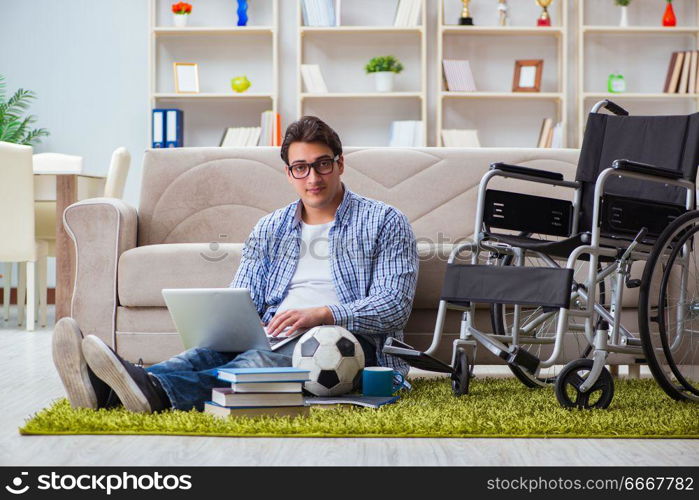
[543,22]
[669,18]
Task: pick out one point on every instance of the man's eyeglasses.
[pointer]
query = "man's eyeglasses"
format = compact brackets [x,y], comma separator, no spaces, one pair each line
[323,167]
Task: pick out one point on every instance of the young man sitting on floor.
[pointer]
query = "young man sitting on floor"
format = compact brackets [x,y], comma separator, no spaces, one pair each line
[354,264]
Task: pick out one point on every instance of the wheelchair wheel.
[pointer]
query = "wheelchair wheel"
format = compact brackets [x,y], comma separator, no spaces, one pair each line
[571,378]
[461,376]
[669,309]
[542,336]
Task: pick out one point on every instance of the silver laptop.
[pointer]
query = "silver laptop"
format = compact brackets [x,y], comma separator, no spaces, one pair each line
[222,319]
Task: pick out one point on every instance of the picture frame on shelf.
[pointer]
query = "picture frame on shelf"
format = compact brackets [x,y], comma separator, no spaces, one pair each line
[527,75]
[186,77]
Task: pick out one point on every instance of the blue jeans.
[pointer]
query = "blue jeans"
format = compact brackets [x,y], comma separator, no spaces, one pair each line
[189,377]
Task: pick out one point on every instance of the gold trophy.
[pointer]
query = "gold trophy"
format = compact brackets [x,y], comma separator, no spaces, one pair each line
[544,18]
[465,19]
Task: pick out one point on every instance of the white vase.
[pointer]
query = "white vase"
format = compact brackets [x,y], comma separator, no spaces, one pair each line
[624,21]
[180,20]
[384,81]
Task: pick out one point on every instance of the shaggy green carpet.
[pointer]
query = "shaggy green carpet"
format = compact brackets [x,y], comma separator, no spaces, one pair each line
[494,408]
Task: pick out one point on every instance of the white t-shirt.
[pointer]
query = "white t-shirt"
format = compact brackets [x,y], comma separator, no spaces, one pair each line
[312,284]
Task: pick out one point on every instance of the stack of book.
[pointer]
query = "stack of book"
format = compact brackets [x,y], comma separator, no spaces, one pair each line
[458,76]
[257,392]
[406,133]
[313,79]
[407,13]
[271,129]
[550,135]
[460,138]
[240,137]
[683,73]
[321,13]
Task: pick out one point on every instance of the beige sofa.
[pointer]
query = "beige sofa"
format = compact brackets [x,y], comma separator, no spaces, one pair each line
[199,204]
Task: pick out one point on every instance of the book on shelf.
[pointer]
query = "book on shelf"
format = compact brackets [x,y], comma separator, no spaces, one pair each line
[545,133]
[460,138]
[458,75]
[406,133]
[684,78]
[682,73]
[313,79]
[270,133]
[227,396]
[693,72]
[167,128]
[240,137]
[557,136]
[407,14]
[272,374]
[321,13]
[212,408]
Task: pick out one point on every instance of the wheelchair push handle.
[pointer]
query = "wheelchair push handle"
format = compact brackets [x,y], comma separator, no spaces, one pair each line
[611,106]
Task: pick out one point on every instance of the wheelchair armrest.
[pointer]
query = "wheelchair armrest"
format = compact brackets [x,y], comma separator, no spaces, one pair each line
[644,168]
[534,172]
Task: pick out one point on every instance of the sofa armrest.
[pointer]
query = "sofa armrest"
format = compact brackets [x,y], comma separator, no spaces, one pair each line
[101,230]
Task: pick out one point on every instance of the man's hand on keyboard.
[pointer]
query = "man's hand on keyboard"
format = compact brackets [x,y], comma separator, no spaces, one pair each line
[287,322]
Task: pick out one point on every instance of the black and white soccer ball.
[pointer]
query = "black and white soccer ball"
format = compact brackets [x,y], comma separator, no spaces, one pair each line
[334,357]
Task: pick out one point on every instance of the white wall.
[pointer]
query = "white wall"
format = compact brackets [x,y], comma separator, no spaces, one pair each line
[87,61]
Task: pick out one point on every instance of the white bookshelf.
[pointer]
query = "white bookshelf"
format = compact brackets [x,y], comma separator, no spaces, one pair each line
[491,50]
[222,51]
[640,51]
[341,52]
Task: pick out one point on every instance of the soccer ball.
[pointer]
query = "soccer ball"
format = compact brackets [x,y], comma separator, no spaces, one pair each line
[334,357]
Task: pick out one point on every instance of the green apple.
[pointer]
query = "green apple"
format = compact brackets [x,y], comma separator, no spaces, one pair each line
[240,83]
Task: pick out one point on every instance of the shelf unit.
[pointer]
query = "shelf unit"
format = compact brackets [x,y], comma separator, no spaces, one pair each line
[474,40]
[353,112]
[215,47]
[637,50]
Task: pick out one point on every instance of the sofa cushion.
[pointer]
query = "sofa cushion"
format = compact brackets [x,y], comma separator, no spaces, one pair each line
[145,271]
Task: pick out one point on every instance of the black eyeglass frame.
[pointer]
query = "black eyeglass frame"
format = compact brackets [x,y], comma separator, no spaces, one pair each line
[315,166]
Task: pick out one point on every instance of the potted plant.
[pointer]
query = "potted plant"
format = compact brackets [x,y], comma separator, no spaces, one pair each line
[384,68]
[180,11]
[624,5]
[13,127]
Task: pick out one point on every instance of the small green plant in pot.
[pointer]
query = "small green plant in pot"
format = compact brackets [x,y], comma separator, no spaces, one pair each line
[14,127]
[384,68]
[623,5]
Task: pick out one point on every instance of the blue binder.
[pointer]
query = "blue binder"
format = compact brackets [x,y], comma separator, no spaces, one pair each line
[174,128]
[158,128]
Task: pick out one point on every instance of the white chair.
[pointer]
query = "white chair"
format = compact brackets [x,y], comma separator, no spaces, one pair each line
[19,242]
[118,171]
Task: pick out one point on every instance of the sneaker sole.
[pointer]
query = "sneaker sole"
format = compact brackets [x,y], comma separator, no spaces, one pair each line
[108,368]
[66,349]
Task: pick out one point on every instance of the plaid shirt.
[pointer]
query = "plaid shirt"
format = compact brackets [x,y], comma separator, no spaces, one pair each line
[374,265]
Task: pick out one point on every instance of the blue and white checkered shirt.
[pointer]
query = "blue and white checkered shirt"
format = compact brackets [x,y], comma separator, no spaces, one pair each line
[373,261]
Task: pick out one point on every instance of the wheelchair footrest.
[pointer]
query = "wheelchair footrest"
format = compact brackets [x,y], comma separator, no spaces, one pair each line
[415,358]
[523,359]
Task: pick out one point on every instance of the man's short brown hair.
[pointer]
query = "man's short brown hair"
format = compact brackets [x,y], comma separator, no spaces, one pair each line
[310,129]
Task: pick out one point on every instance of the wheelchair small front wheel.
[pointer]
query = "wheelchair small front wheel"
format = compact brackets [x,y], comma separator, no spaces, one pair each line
[572,377]
[461,375]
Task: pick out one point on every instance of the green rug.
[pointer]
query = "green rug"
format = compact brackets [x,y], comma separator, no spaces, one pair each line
[494,408]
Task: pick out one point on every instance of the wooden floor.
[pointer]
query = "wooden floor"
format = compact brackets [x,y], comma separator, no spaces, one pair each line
[29,383]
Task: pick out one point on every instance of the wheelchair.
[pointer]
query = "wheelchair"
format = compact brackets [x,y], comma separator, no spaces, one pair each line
[554,271]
